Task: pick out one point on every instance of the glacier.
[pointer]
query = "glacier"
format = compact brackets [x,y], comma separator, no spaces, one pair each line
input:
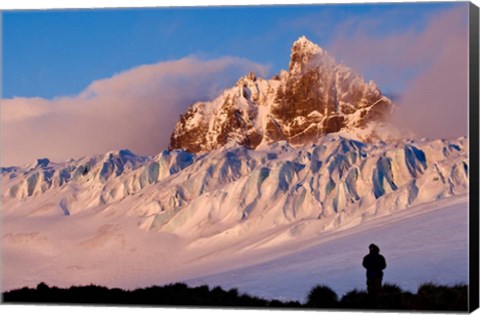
[124,220]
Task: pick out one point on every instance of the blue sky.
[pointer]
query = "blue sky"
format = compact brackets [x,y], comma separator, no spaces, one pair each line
[54,53]
[85,82]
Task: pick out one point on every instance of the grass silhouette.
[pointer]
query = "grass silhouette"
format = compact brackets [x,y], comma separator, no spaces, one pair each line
[429,296]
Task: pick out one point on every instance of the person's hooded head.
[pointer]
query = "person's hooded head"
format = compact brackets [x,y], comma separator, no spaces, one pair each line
[374,249]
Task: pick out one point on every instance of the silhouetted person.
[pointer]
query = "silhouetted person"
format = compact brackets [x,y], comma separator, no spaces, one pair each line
[374,263]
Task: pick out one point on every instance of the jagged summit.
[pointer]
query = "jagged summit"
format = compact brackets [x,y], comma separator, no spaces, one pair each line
[315,97]
[307,46]
[303,50]
[303,41]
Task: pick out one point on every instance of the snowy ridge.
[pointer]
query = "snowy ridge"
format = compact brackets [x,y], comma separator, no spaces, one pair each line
[89,181]
[334,183]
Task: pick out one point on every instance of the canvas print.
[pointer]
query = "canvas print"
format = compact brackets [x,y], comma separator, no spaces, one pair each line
[295,156]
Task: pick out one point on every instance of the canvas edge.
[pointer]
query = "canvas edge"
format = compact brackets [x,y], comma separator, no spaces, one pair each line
[474,157]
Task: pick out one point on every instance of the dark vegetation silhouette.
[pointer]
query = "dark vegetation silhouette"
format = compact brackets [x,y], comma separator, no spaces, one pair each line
[322,297]
[391,297]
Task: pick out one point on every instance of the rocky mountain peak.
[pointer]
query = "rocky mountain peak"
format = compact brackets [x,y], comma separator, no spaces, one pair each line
[303,50]
[315,97]
[303,44]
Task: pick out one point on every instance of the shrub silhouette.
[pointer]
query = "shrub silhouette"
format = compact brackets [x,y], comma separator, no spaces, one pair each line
[439,297]
[322,297]
[357,299]
[429,296]
[392,297]
[42,286]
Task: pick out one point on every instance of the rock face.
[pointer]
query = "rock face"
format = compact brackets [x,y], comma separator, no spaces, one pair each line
[315,97]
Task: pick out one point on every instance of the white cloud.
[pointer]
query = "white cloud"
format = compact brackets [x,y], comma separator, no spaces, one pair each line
[433,102]
[136,109]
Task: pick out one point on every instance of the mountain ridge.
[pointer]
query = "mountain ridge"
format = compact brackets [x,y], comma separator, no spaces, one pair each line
[315,97]
[334,180]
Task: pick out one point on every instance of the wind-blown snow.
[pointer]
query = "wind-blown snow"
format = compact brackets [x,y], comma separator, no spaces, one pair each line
[315,97]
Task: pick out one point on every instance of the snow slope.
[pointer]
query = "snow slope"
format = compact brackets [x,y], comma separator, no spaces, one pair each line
[414,242]
[428,243]
[123,220]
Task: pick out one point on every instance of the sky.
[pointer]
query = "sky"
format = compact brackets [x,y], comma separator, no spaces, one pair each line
[80,82]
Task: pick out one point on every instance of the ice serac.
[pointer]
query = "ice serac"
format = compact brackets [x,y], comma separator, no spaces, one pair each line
[334,182]
[317,96]
[162,216]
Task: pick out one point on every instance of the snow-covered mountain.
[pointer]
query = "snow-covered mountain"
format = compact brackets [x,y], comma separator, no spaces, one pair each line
[123,220]
[268,165]
[333,182]
[315,97]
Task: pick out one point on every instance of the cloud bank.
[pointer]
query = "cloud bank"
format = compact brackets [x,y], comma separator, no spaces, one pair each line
[136,109]
[432,63]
